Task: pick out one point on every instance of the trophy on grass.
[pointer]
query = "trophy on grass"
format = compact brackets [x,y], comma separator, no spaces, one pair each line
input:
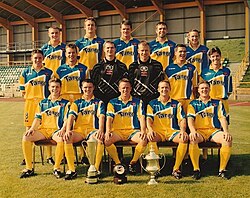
[152,166]
[92,177]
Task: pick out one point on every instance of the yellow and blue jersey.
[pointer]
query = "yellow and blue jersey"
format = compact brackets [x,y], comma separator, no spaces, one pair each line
[71,78]
[220,82]
[206,116]
[90,51]
[52,113]
[182,80]
[35,84]
[125,116]
[53,56]
[87,114]
[126,52]
[162,52]
[199,57]
[166,117]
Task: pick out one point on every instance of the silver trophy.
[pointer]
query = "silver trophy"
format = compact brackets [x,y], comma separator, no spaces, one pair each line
[152,166]
[91,154]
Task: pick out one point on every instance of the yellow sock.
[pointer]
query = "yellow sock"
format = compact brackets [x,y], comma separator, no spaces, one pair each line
[48,151]
[155,147]
[27,152]
[194,153]
[139,149]
[58,155]
[225,153]
[180,154]
[69,153]
[113,153]
[99,153]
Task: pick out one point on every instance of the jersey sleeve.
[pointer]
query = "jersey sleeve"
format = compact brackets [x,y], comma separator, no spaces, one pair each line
[221,110]
[22,82]
[141,110]
[150,112]
[100,109]
[180,113]
[110,110]
[73,110]
[38,112]
[191,111]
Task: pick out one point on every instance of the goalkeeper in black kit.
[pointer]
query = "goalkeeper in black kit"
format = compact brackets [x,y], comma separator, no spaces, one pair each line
[145,74]
[107,73]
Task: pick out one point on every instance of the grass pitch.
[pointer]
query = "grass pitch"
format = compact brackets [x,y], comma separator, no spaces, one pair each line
[44,184]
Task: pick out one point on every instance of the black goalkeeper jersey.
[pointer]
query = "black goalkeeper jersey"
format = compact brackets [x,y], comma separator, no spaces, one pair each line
[106,75]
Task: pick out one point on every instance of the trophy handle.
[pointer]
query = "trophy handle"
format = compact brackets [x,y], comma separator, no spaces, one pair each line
[164,160]
[142,156]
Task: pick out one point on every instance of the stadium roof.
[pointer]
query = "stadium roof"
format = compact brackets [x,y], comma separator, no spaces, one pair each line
[14,12]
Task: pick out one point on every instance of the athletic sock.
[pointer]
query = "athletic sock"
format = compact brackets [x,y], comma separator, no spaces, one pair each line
[48,151]
[155,147]
[69,153]
[139,149]
[113,153]
[59,151]
[194,153]
[180,154]
[99,153]
[27,152]
[225,153]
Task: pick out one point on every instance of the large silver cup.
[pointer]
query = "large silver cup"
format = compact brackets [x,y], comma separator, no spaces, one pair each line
[152,166]
[91,154]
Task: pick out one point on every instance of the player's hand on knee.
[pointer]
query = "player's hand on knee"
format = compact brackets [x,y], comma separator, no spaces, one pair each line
[143,136]
[151,135]
[60,133]
[183,136]
[108,135]
[67,135]
[99,135]
[193,136]
[30,132]
[227,136]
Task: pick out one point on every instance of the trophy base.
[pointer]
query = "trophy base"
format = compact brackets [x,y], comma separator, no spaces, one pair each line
[121,180]
[91,180]
[152,181]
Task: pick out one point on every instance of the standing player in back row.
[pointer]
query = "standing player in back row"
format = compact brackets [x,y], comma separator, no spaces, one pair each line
[126,45]
[197,54]
[162,49]
[34,87]
[90,46]
[54,50]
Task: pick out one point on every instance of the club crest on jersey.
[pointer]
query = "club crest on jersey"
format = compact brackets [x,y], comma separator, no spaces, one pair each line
[225,74]
[144,70]
[214,104]
[173,105]
[133,104]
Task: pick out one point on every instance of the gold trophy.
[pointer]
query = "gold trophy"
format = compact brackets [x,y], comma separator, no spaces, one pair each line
[152,164]
[91,154]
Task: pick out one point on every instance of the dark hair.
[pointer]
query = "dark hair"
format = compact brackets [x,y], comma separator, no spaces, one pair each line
[194,30]
[213,50]
[179,45]
[111,42]
[90,19]
[36,51]
[72,46]
[143,43]
[87,81]
[126,22]
[203,82]
[56,80]
[161,23]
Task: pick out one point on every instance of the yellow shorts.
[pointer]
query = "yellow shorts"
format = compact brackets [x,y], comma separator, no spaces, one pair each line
[207,134]
[184,103]
[85,133]
[71,97]
[126,134]
[30,110]
[48,133]
[168,135]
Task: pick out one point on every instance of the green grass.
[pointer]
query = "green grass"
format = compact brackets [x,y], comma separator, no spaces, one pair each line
[45,185]
[246,78]
[234,49]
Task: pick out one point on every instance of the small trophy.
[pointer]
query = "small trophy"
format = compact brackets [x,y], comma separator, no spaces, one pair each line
[120,174]
[91,154]
[152,164]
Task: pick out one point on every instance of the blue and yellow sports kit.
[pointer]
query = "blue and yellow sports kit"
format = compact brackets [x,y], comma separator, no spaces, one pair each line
[166,117]
[53,56]
[220,84]
[162,52]
[199,57]
[206,116]
[90,51]
[52,115]
[126,51]
[71,78]
[125,116]
[35,87]
[87,115]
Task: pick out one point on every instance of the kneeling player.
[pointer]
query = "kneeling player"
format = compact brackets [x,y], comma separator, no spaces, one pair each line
[166,122]
[87,117]
[125,121]
[48,123]
[206,116]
